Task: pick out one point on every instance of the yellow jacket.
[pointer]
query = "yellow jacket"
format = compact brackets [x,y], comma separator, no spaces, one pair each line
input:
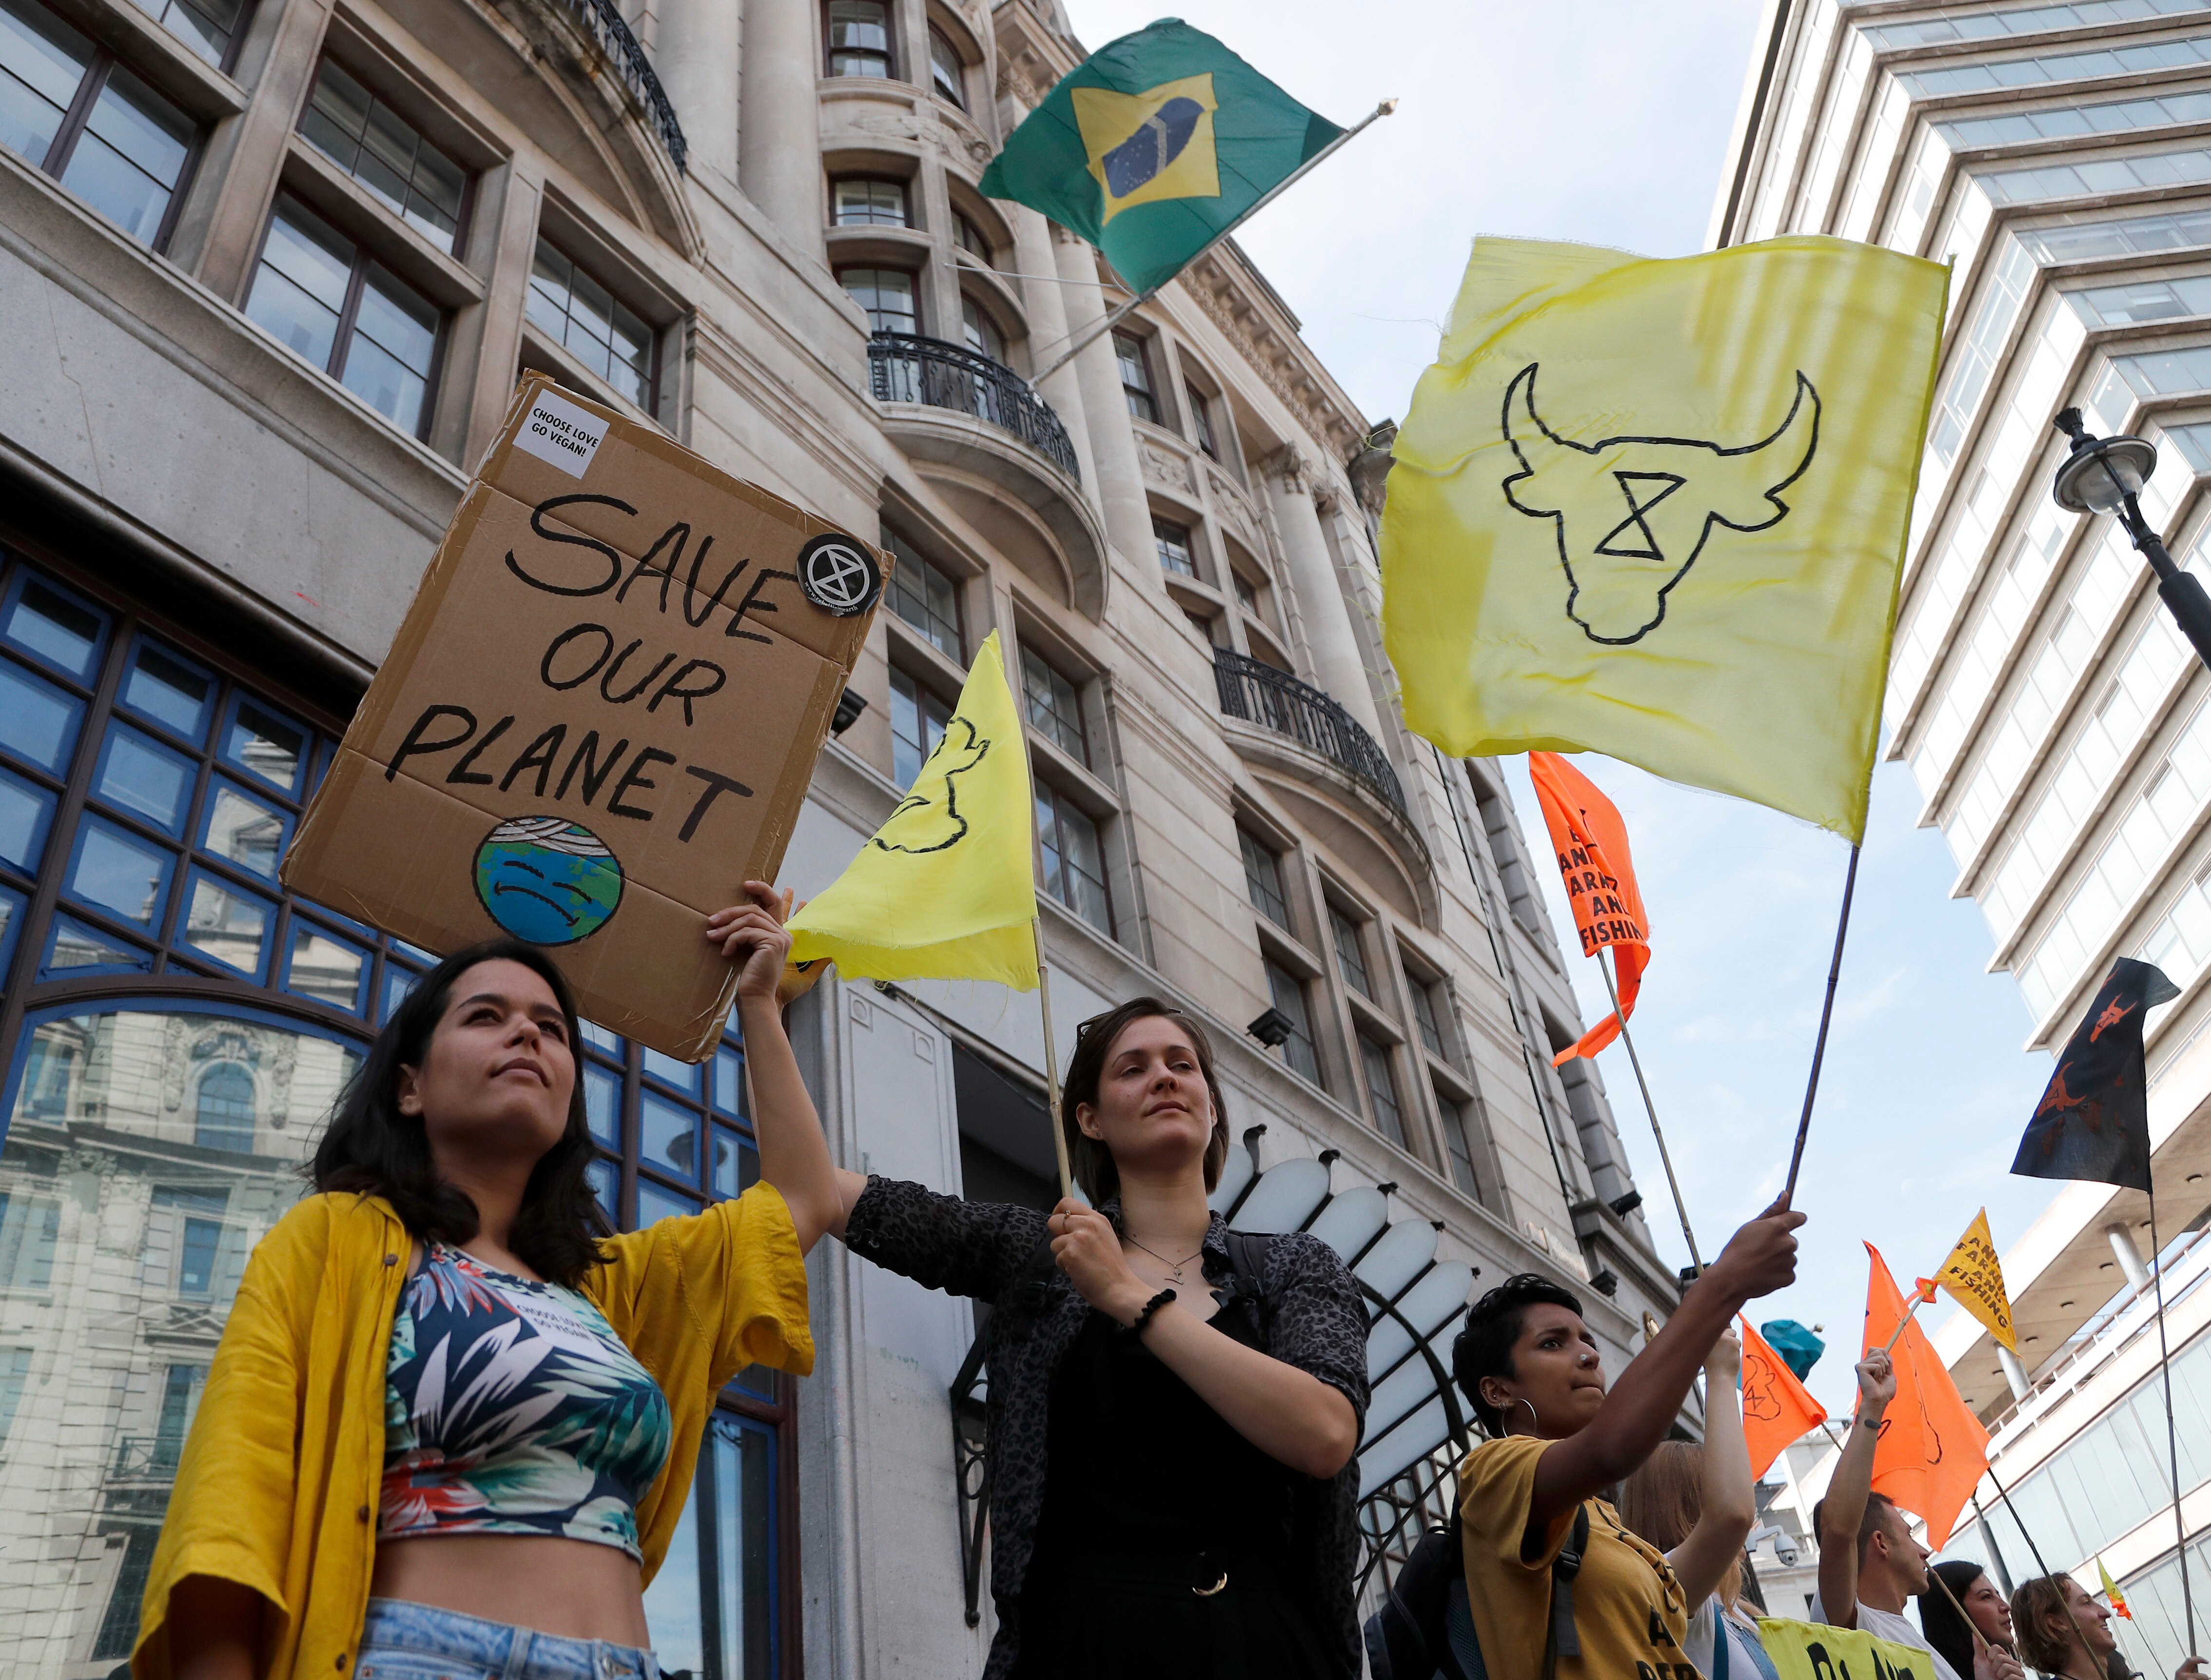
[279,1481]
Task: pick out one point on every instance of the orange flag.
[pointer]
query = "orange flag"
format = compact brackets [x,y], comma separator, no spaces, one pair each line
[1932,1451]
[1776,1408]
[1591,843]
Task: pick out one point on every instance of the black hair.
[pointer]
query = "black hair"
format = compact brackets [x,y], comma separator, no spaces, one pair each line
[1088,1159]
[1944,1624]
[371,1147]
[1484,1347]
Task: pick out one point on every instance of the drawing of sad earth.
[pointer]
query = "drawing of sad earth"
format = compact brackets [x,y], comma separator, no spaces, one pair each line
[548,880]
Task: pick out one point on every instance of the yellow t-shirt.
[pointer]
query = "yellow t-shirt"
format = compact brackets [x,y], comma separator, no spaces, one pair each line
[1628,1608]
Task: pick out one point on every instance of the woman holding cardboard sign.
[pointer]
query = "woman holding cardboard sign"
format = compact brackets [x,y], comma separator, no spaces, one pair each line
[452,1421]
[1173,1407]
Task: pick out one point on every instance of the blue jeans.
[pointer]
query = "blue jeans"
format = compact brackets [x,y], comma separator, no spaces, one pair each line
[406,1642]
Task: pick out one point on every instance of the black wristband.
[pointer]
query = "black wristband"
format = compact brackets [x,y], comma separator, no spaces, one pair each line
[1137,1327]
[1873,1423]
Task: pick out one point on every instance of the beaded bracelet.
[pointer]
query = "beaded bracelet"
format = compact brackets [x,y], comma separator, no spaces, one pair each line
[1150,1307]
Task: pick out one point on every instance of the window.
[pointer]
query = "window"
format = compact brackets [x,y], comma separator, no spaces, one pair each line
[888,296]
[1247,593]
[1136,377]
[69,108]
[712,1606]
[859,38]
[1173,542]
[14,1372]
[1055,706]
[968,235]
[222,1117]
[380,150]
[1343,933]
[1206,626]
[870,203]
[1288,993]
[207,26]
[30,1227]
[1201,417]
[196,1263]
[327,301]
[1262,879]
[1074,862]
[918,720]
[925,598]
[1382,1089]
[948,73]
[1459,1143]
[592,325]
[981,332]
[1424,1014]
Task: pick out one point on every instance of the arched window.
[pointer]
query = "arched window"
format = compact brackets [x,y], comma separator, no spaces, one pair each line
[223,1116]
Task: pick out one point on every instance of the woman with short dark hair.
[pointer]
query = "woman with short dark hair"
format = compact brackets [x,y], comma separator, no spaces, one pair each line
[1171,1439]
[1528,1365]
[452,1421]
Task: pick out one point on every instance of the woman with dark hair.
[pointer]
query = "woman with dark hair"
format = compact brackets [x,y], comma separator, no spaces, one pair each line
[1952,1634]
[452,1420]
[1171,1435]
[1527,1366]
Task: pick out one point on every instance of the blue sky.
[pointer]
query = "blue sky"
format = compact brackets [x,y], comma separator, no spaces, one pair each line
[1606,121]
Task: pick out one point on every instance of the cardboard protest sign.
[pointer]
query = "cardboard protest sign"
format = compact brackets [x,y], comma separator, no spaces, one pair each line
[599,718]
[1813,1651]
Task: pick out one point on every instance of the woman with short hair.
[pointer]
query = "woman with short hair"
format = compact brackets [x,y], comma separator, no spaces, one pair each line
[1528,1365]
[452,1421]
[1170,1438]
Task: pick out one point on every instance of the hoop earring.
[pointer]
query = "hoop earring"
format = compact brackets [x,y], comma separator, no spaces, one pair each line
[1532,1414]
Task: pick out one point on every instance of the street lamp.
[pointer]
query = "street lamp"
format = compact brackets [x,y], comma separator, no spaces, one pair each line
[2105,475]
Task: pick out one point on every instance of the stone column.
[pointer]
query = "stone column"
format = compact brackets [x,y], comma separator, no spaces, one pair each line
[779,122]
[697,59]
[1047,319]
[1336,664]
[1112,445]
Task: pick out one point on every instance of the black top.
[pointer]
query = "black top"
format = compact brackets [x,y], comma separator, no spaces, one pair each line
[1313,1318]
[1142,1466]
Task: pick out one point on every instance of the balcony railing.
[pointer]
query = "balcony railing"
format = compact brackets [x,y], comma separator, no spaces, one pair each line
[1259,693]
[604,20]
[146,1458]
[904,367]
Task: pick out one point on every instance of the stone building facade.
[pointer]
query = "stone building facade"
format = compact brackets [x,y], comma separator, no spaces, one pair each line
[269,269]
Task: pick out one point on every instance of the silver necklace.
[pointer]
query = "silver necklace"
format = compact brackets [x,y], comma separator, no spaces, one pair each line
[1174,1267]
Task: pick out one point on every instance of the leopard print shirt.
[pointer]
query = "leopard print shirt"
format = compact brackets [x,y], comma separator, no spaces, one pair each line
[1310,1307]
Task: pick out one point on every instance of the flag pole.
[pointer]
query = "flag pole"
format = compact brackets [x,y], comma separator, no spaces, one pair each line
[2171,1437]
[1996,1551]
[2020,1523]
[1051,1063]
[1090,335]
[1826,1014]
[1680,1209]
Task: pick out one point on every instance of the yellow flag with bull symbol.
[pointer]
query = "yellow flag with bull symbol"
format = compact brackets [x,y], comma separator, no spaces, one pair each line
[1658,510]
[946,889]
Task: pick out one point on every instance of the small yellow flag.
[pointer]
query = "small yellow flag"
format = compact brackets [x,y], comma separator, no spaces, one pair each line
[1658,510]
[947,888]
[1975,1281]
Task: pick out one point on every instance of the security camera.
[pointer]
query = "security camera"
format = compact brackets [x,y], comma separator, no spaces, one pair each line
[1786,1554]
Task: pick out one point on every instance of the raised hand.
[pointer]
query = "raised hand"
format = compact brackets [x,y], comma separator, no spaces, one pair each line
[1724,1362]
[754,931]
[1086,1247]
[1761,1257]
[1876,1383]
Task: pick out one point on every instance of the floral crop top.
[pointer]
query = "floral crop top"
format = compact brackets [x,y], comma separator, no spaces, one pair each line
[512,1407]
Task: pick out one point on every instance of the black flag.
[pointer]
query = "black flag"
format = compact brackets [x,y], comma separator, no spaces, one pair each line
[2093,1121]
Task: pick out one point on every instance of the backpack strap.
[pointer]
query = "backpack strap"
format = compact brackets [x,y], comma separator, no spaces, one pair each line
[1562,1639]
[1247,1260]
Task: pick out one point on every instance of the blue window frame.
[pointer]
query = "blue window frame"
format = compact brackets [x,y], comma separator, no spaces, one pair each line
[179,785]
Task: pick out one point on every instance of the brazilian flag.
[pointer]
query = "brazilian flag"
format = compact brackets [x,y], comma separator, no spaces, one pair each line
[1152,147]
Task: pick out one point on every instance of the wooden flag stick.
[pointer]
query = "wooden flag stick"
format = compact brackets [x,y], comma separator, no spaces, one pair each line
[1051,1065]
[1820,1044]
[1897,1334]
[1680,1209]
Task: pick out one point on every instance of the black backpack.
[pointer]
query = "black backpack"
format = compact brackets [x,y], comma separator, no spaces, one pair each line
[1425,1628]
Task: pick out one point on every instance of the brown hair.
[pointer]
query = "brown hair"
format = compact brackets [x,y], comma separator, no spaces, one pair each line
[1875,1519]
[1664,1497]
[1091,1162]
[2032,1605]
